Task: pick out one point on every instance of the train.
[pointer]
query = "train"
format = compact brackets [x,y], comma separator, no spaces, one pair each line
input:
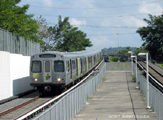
[106,58]
[58,70]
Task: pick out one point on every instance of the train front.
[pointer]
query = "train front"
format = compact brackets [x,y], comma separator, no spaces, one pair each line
[47,72]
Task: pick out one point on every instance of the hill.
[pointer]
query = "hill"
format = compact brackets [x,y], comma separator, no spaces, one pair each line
[114,50]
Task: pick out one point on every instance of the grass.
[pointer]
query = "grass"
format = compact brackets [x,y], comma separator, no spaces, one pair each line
[89,98]
[139,85]
[141,92]
[160,65]
[103,79]
[134,78]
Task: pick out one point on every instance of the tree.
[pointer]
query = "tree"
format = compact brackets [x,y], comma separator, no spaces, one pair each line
[44,34]
[14,19]
[140,50]
[124,52]
[65,37]
[152,36]
[43,27]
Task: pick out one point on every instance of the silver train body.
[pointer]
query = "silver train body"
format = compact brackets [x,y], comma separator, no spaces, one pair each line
[50,70]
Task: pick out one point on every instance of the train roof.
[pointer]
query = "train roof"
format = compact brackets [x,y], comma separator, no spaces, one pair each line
[78,53]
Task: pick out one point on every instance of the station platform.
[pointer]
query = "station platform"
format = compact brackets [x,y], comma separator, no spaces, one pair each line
[116,99]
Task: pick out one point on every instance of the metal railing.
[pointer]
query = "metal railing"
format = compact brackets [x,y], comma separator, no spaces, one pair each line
[155,96]
[71,103]
[15,44]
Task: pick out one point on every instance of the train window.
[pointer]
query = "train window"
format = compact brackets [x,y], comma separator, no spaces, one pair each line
[58,66]
[36,66]
[84,64]
[68,66]
[47,66]
[73,64]
[47,56]
[81,65]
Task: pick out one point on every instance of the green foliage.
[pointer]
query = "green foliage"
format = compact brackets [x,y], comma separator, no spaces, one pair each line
[65,37]
[124,52]
[103,79]
[14,19]
[152,35]
[114,50]
[160,65]
[113,59]
[140,50]
[134,78]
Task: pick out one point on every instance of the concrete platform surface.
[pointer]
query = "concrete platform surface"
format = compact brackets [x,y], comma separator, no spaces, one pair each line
[116,99]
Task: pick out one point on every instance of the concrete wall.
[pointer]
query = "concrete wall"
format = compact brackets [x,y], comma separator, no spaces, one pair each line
[14,74]
[5,75]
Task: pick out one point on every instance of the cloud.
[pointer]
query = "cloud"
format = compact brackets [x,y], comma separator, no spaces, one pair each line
[102,42]
[77,23]
[128,22]
[150,8]
[48,3]
[83,3]
[134,22]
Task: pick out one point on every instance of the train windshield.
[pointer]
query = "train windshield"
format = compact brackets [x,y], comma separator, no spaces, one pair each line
[36,66]
[47,66]
[58,66]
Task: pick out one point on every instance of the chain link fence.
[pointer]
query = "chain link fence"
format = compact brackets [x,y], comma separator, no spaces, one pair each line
[15,44]
[121,66]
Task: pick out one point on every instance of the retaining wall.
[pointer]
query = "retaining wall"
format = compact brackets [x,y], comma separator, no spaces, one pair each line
[14,74]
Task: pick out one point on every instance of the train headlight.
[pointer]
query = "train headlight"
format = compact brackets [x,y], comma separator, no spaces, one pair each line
[35,79]
[59,79]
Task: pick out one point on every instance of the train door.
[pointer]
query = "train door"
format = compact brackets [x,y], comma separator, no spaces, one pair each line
[87,63]
[79,67]
[47,71]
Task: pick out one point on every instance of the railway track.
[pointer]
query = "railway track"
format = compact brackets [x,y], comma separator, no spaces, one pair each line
[21,110]
[156,78]
[18,106]
[11,105]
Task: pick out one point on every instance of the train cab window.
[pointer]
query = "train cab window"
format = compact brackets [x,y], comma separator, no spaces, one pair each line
[47,66]
[36,66]
[58,66]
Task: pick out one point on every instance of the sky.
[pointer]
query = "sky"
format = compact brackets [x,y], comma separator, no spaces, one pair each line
[107,23]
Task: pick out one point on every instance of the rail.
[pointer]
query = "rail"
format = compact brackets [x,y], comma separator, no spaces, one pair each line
[151,76]
[70,102]
[155,96]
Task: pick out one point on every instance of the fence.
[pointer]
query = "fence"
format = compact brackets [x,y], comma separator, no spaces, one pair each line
[70,104]
[121,66]
[155,96]
[16,44]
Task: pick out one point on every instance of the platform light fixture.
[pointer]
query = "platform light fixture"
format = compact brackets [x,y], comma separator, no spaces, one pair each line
[147,77]
[131,61]
[136,71]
